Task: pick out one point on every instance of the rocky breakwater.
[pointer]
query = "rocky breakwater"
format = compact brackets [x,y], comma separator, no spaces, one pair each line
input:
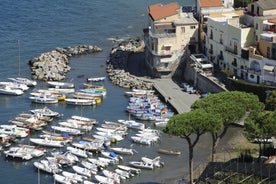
[117,65]
[54,65]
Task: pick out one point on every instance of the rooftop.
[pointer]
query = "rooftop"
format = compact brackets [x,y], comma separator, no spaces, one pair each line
[210,3]
[159,11]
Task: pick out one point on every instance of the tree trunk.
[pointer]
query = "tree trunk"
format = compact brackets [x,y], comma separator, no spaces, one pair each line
[191,155]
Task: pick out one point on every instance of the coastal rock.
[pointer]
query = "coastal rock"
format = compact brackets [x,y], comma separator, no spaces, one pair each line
[54,65]
[117,65]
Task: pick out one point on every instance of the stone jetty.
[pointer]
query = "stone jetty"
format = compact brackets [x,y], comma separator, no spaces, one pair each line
[117,65]
[54,65]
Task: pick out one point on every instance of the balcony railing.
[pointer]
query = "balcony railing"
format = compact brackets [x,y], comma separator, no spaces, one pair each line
[162,35]
[254,71]
[231,50]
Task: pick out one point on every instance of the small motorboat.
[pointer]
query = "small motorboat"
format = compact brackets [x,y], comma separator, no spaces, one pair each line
[126,151]
[169,152]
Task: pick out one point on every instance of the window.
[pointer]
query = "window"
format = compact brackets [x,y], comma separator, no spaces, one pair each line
[268,52]
[183,29]
[256,26]
[192,27]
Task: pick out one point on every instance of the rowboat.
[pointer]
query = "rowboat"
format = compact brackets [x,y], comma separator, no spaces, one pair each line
[84,119]
[57,84]
[76,101]
[169,152]
[96,79]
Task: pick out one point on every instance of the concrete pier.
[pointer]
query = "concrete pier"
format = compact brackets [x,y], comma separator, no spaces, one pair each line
[174,95]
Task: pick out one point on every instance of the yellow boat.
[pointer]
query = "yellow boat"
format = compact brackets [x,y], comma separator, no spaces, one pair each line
[61,97]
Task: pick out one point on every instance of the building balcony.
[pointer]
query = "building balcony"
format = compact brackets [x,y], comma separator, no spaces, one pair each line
[162,35]
[163,69]
[231,50]
[254,71]
[162,53]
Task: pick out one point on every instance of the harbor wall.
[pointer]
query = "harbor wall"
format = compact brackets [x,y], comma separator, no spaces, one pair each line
[201,81]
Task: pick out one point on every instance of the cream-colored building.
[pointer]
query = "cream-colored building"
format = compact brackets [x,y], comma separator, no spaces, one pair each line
[170,31]
[228,39]
[245,44]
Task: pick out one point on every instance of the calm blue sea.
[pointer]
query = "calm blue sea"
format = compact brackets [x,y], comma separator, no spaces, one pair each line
[31,27]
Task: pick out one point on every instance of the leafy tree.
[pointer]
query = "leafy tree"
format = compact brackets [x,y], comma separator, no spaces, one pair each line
[196,122]
[231,107]
[260,128]
[270,102]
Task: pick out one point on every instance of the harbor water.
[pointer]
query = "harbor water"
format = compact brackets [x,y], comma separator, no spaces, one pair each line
[29,28]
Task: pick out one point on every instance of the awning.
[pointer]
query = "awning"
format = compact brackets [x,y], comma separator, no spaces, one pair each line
[268,68]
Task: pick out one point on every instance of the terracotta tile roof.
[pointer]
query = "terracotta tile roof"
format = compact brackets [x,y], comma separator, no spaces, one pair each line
[159,11]
[272,20]
[210,3]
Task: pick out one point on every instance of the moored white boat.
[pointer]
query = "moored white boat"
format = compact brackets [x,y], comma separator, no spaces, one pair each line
[57,84]
[112,155]
[19,153]
[132,124]
[6,90]
[77,151]
[14,130]
[47,166]
[156,162]
[15,85]
[141,165]
[127,151]
[83,171]
[75,176]
[71,131]
[123,173]
[169,152]
[105,180]
[76,101]
[96,79]
[26,81]
[75,125]
[45,112]
[43,99]
[142,140]
[64,179]
[47,142]
[129,169]
[111,174]
[84,119]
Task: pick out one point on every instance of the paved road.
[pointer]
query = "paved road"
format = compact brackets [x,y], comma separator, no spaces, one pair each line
[173,94]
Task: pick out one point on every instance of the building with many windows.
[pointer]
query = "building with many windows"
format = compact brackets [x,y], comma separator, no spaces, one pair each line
[244,42]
